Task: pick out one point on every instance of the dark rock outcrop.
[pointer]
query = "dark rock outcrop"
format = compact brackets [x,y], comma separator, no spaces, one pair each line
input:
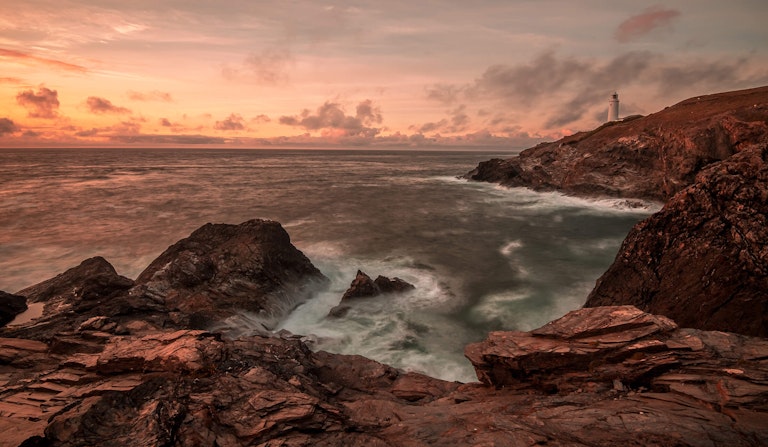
[563,384]
[215,273]
[10,306]
[651,157]
[222,269]
[703,259]
[364,287]
[91,288]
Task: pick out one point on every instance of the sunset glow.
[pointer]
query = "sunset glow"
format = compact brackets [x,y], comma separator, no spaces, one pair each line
[242,73]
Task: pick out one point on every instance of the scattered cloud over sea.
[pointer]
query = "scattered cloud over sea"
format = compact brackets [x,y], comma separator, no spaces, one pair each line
[233,122]
[332,120]
[41,104]
[101,106]
[7,126]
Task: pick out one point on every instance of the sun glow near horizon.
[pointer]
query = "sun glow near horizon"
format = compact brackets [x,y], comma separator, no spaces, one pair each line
[246,73]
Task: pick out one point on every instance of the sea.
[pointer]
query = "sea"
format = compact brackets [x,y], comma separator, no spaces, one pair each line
[482,257]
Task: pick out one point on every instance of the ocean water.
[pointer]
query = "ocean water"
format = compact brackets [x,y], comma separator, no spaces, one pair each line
[482,257]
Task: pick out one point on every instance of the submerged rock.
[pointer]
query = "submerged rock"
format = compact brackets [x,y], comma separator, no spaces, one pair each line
[364,287]
[702,260]
[651,157]
[10,306]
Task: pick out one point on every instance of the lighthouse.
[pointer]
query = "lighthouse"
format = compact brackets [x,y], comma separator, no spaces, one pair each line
[613,107]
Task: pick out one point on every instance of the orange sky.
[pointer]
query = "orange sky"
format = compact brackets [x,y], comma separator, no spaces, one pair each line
[245,73]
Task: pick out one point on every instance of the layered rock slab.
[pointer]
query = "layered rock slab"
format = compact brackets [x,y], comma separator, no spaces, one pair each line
[195,388]
[703,259]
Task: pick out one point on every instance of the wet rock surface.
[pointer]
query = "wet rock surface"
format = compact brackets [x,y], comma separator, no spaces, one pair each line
[651,157]
[703,259]
[220,268]
[216,273]
[602,376]
[10,306]
[364,287]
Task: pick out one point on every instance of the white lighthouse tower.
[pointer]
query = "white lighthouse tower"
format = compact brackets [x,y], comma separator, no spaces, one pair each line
[613,107]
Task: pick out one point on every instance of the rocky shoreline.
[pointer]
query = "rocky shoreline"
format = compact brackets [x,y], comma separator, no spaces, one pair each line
[669,351]
[110,361]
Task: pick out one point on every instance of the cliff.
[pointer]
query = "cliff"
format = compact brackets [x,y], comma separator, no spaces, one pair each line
[702,260]
[651,157]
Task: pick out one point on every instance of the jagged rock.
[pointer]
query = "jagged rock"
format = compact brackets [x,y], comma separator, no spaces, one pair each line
[93,287]
[221,269]
[196,388]
[652,157]
[364,287]
[10,306]
[703,259]
[101,323]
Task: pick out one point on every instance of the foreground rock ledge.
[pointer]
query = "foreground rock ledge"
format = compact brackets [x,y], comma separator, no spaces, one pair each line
[602,376]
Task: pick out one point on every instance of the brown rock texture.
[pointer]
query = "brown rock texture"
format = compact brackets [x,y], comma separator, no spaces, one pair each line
[91,288]
[10,306]
[651,157]
[364,287]
[597,377]
[220,269]
[703,259]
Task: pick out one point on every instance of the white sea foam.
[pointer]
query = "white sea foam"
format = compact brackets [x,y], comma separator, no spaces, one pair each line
[510,247]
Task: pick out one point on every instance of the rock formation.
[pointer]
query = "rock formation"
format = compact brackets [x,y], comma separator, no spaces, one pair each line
[703,259]
[221,269]
[10,306]
[215,273]
[651,157]
[91,288]
[603,376]
[365,287]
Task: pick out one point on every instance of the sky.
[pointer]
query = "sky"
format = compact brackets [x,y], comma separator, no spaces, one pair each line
[251,73]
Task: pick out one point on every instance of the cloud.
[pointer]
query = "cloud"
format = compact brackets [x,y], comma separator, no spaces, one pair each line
[261,119]
[270,66]
[527,82]
[7,126]
[232,122]
[43,104]
[566,89]
[150,96]
[29,58]
[167,139]
[645,22]
[101,106]
[165,122]
[457,122]
[332,120]
[10,80]
[444,93]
